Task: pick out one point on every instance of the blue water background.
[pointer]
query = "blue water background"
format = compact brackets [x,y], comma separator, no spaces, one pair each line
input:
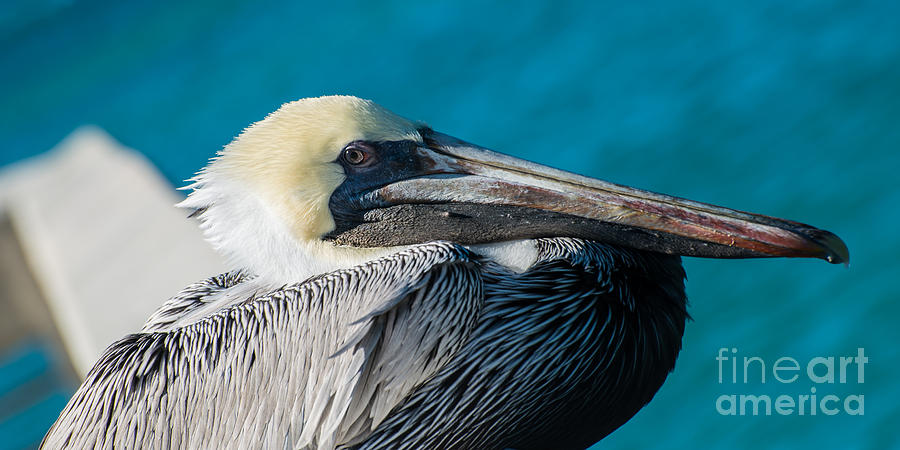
[790,109]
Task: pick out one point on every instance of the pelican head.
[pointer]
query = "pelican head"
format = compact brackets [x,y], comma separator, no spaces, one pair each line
[329,182]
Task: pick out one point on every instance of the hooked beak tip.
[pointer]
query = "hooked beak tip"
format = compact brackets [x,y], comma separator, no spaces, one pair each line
[836,251]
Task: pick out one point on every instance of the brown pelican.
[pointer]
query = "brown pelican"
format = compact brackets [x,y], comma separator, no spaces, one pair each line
[399,288]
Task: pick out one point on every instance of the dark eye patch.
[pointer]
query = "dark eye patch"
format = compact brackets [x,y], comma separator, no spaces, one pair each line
[384,162]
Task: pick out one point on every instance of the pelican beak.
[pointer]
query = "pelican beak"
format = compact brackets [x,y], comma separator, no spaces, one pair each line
[468,194]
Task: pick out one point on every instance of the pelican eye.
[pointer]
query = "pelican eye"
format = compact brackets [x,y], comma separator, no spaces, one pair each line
[356,154]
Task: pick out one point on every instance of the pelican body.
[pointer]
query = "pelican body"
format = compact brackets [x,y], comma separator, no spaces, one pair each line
[397,288]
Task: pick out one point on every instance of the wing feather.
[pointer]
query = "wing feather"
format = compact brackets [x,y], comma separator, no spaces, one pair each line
[313,365]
